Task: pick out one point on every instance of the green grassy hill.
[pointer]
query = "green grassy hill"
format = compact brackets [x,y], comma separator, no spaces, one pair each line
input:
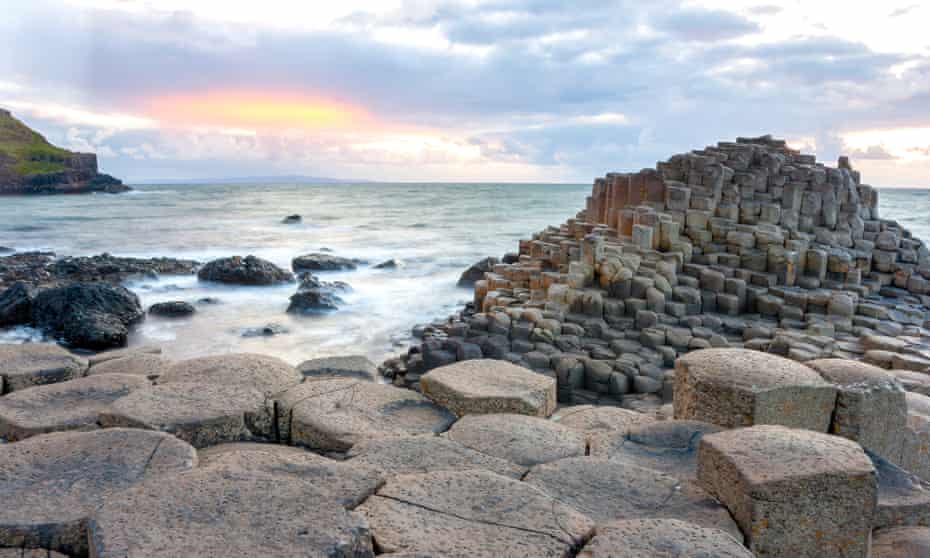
[26,151]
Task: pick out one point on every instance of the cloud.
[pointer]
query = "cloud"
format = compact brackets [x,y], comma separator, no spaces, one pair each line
[705,25]
[873,152]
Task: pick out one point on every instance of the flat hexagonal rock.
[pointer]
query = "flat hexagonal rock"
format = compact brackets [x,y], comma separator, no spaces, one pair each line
[72,405]
[353,366]
[50,484]
[122,353]
[469,514]
[346,483]
[669,446]
[634,492]
[267,374]
[740,387]
[36,364]
[148,365]
[794,493]
[200,414]
[901,542]
[650,538]
[521,439]
[870,405]
[227,511]
[427,453]
[334,415]
[490,386]
[600,422]
[903,497]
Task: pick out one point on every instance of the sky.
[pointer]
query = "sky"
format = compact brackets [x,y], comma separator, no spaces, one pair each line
[466,90]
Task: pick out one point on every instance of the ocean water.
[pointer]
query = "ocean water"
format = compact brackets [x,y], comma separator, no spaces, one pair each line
[435,230]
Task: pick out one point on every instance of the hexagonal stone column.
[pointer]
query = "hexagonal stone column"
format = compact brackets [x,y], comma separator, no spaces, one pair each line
[871,407]
[471,513]
[51,484]
[794,493]
[36,364]
[490,386]
[641,538]
[740,387]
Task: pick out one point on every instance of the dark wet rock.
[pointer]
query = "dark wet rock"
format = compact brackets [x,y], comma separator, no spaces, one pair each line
[36,364]
[72,405]
[51,484]
[208,300]
[323,262]
[471,513]
[16,305]
[353,366]
[249,270]
[389,264]
[292,219]
[6,250]
[106,267]
[476,272]
[266,330]
[87,315]
[172,309]
[510,258]
[313,301]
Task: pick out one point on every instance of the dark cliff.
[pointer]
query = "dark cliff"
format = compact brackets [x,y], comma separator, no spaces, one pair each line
[29,164]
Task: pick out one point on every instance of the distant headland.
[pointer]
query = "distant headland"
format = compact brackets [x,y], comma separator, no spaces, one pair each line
[29,164]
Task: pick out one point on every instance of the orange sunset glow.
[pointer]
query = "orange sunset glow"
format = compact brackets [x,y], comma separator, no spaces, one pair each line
[255,109]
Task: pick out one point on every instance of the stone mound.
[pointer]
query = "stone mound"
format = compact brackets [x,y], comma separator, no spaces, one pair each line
[92,316]
[244,271]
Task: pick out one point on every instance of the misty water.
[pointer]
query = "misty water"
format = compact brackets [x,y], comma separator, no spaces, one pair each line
[435,230]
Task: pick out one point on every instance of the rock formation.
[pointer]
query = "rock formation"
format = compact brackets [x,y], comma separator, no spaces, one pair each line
[29,164]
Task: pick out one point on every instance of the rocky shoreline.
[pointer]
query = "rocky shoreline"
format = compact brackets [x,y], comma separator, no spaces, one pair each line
[722,357]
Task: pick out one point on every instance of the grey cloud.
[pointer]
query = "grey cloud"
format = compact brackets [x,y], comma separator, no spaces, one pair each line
[872,152]
[705,25]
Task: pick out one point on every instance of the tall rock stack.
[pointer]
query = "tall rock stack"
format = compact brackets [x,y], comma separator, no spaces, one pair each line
[746,244]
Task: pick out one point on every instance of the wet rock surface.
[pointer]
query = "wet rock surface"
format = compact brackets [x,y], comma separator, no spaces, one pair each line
[323,262]
[249,270]
[94,316]
[172,309]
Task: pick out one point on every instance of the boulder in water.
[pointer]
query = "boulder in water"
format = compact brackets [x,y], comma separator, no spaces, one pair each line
[244,271]
[16,305]
[88,315]
[311,301]
[292,219]
[172,309]
[476,272]
[389,264]
[266,330]
[323,262]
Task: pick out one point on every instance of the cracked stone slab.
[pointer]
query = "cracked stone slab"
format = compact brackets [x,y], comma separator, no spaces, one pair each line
[72,405]
[669,446]
[50,484]
[794,493]
[35,364]
[521,439]
[608,491]
[150,366]
[651,538]
[349,484]
[427,453]
[600,422]
[741,387]
[267,374]
[353,366]
[483,386]
[334,415]
[200,414]
[903,497]
[227,510]
[901,542]
[472,514]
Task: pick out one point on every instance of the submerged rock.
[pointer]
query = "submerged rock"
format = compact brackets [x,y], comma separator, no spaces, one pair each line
[476,272]
[389,264]
[312,301]
[249,270]
[292,219]
[323,262]
[88,315]
[172,309]
[16,305]
[266,330]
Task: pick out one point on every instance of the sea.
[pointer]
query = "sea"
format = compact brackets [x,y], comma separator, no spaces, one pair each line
[435,231]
